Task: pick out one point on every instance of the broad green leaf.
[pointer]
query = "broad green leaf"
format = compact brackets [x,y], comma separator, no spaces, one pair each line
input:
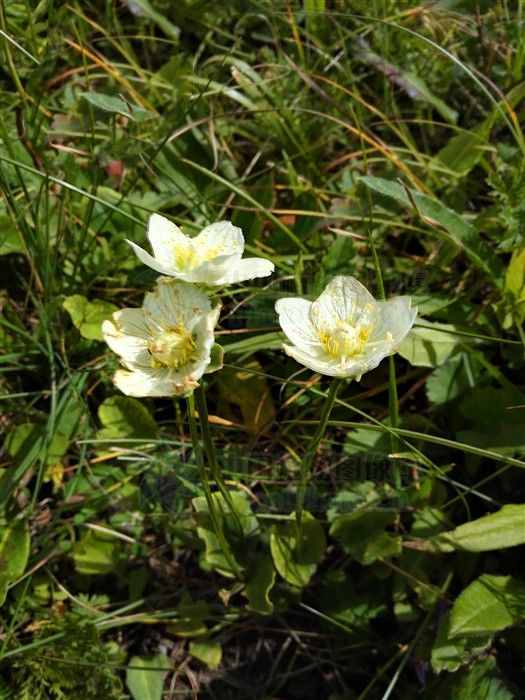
[360,494]
[424,94]
[10,241]
[448,653]
[341,601]
[125,418]
[428,521]
[372,451]
[298,564]
[494,425]
[480,682]
[214,556]
[515,283]
[207,651]
[489,604]
[363,535]
[45,442]
[95,554]
[248,391]
[314,10]
[259,585]
[191,616]
[242,507]
[463,234]
[448,381]
[87,315]
[428,347]
[509,440]
[314,5]
[14,554]
[429,303]
[23,437]
[145,676]
[116,105]
[506,528]
[466,149]
[147,10]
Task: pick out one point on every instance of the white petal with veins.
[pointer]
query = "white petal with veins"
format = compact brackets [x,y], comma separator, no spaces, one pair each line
[166,345]
[213,257]
[345,332]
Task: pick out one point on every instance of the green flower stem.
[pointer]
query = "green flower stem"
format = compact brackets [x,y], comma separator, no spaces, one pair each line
[393,409]
[393,403]
[216,520]
[306,464]
[211,456]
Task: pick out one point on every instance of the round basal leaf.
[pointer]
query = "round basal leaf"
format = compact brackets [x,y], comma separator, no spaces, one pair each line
[214,555]
[95,554]
[298,564]
[10,239]
[506,528]
[125,417]
[363,535]
[479,682]
[428,347]
[191,616]
[145,676]
[207,651]
[449,654]
[87,315]
[14,554]
[489,604]
[260,584]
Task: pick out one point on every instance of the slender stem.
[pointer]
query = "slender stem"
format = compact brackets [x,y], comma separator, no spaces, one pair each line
[211,456]
[393,404]
[194,434]
[393,409]
[306,464]
[216,520]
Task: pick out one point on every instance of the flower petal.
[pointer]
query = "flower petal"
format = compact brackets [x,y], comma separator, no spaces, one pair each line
[153,382]
[210,272]
[396,318]
[166,240]
[294,319]
[150,261]
[318,362]
[126,336]
[173,303]
[221,238]
[344,299]
[247,269]
[131,322]
[205,339]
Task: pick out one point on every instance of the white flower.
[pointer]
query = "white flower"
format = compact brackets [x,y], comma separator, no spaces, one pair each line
[165,345]
[345,332]
[212,258]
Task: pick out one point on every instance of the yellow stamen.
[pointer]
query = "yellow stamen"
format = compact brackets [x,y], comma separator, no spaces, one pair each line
[172,348]
[345,340]
[187,258]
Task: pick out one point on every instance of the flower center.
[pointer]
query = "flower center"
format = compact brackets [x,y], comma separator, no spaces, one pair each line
[186,258]
[172,348]
[345,340]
